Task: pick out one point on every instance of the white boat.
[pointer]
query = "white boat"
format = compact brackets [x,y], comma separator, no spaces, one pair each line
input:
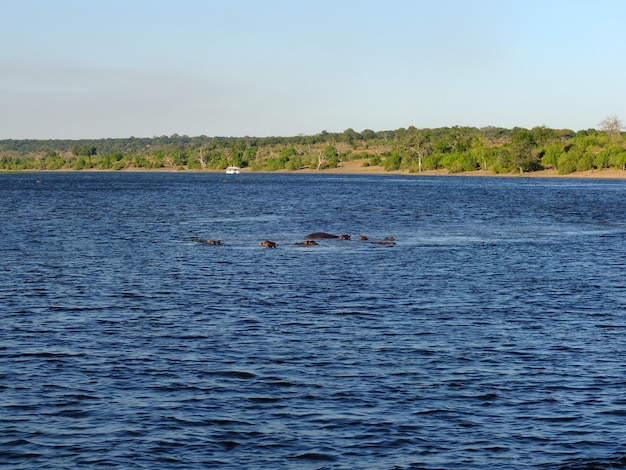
[232,170]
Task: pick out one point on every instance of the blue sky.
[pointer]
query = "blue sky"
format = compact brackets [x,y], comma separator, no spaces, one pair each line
[119,68]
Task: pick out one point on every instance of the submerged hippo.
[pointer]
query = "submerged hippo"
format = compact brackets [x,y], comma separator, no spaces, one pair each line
[306,243]
[343,236]
[386,241]
[210,242]
[268,244]
[321,235]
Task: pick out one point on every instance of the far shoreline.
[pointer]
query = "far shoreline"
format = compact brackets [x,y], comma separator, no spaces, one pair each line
[357,168]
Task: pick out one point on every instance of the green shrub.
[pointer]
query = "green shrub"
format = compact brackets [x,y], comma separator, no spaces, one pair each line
[566,164]
[393,161]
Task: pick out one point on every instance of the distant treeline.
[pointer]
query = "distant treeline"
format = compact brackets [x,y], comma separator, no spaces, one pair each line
[457,149]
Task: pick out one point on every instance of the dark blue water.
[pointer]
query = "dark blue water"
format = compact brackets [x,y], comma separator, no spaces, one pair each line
[492,335]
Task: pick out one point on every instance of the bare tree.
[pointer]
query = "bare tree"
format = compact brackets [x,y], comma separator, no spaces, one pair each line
[203,154]
[321,159]
[612,125]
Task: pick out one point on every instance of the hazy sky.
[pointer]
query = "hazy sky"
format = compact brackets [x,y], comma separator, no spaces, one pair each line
[120,68]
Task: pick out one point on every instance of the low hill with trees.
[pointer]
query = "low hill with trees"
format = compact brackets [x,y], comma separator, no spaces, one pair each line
[455,149]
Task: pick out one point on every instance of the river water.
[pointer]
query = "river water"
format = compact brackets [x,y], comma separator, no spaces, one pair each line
[491,335]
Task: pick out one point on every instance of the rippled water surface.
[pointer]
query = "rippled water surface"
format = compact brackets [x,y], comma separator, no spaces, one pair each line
[492,335]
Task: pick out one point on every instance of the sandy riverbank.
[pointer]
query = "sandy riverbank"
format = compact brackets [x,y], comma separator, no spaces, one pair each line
[356,167]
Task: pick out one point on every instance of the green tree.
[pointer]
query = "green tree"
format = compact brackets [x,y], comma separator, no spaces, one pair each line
[552,153]
[604,158]
[524,158]
[618,160]
[393,161]
[418,145]
[541,135]
[350,137]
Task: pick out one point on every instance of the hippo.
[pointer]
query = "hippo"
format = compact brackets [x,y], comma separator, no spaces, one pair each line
[321,235]
[390,241]
[268,244]
[344,237]
[306,243]
[210,242]
[362,238]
